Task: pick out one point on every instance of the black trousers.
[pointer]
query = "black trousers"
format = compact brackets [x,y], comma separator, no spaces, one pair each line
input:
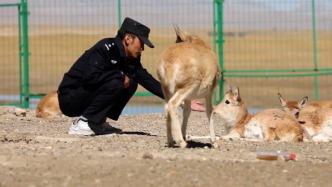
[108,100]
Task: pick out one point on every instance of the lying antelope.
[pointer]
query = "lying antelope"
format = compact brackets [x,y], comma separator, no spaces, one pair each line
[315,117]
[294,107]
[48,106]
[270,124]
[188,70]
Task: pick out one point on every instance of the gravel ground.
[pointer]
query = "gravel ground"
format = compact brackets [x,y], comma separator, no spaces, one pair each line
[39,152]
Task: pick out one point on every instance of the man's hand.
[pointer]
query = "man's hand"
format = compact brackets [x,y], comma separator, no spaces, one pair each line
[197,106]
[126,82]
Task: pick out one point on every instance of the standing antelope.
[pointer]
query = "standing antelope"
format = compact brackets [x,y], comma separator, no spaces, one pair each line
[315,117]
[188,70]
[270,124]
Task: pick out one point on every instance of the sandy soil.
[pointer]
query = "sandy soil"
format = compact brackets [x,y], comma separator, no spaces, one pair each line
[38,152]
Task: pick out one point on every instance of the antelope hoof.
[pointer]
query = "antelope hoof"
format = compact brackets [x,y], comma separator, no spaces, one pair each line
[170,143]
[182,144]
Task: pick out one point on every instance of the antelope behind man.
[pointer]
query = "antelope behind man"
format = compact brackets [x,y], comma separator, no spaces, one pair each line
[48,106]
[269,124]
[188,70]
[314,117]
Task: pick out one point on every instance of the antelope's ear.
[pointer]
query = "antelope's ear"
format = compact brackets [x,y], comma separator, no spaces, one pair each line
[229,87]
[236,92]
[303,102]
[179,34]
[282,101]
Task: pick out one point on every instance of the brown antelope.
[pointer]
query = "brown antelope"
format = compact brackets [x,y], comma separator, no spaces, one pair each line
[315,117]
[270,124]
[188,70]
[48,106]
[294,107]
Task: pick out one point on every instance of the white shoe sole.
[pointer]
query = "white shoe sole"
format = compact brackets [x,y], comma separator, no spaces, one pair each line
[72,131]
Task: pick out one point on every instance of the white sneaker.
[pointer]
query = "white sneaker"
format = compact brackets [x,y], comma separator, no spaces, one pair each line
[80,127]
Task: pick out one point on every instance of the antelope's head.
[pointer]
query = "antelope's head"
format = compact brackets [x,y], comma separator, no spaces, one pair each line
[293,107]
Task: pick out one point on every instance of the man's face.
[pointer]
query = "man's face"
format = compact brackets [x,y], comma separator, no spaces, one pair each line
[134,46]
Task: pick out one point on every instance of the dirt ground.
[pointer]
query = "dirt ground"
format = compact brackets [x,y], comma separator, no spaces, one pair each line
[39,152]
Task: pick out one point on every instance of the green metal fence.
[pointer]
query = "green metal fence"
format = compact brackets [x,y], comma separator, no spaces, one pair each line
[264,47]
[14,54]
[277,46]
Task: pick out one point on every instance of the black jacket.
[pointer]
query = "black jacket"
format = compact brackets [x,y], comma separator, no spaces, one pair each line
[105,61]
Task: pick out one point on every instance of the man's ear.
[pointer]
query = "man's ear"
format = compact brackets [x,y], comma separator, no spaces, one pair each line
[127,39]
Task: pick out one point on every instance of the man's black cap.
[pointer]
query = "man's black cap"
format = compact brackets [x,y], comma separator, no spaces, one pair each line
[134,27]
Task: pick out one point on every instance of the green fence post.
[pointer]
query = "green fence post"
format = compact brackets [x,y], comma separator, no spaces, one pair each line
[220,44]
[25,52]
[20,53]
[314,37]
[119,13]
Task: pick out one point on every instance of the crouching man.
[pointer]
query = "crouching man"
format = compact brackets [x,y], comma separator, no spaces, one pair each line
[101,82]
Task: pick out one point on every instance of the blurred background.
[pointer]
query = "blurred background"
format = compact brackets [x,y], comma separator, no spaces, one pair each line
[264,46]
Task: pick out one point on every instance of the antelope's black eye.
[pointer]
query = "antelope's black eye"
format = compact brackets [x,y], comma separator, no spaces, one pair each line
[227,102]
[297,114]
[302,122]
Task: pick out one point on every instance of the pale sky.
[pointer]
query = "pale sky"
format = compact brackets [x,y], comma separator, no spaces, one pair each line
[238,14]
